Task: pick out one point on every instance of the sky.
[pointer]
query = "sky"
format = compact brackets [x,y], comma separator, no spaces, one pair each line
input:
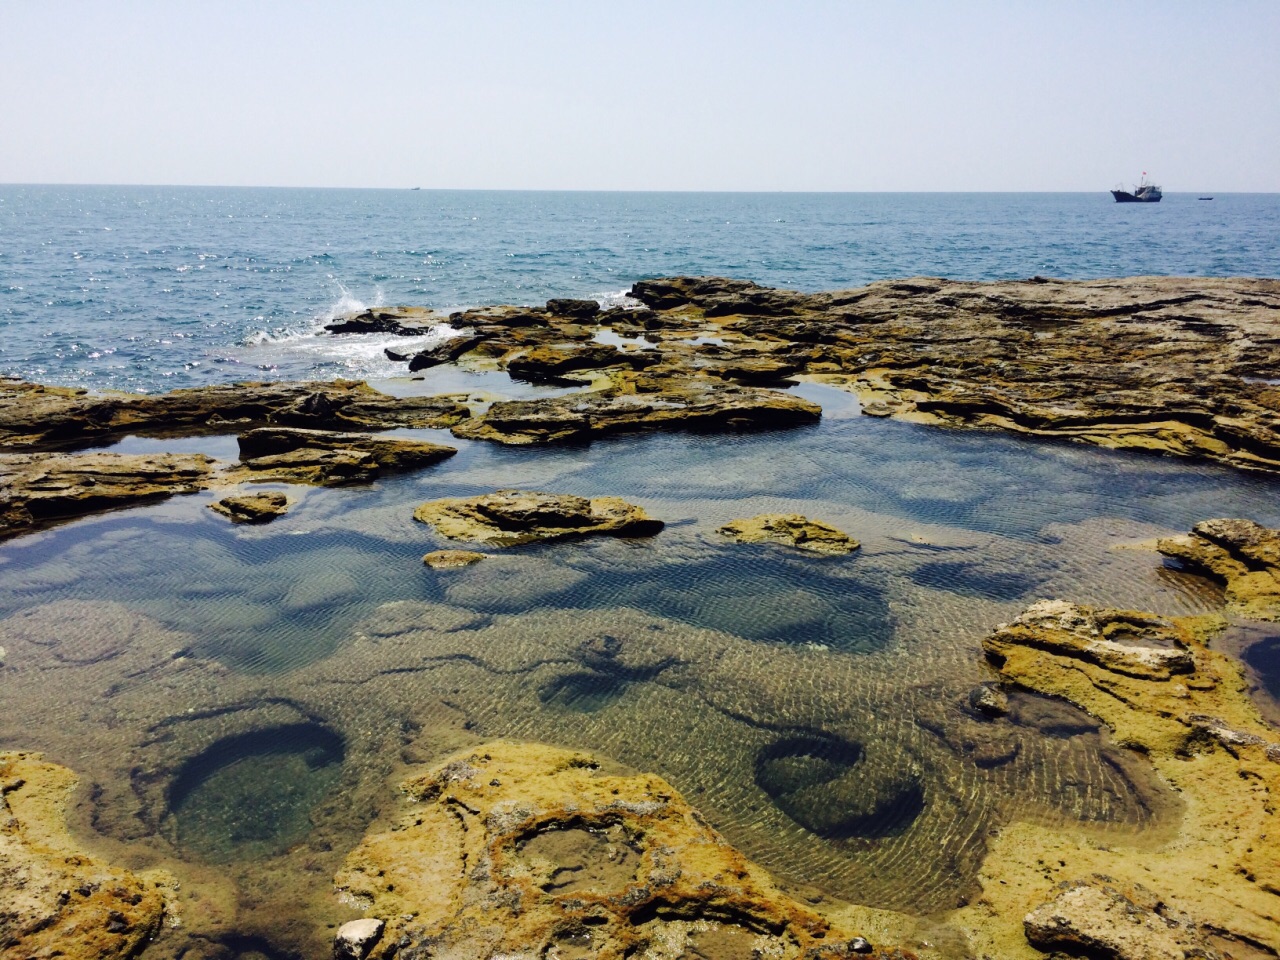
[695,95]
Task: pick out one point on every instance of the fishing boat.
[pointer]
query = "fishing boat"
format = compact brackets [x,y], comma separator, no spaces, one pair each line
[1143,193]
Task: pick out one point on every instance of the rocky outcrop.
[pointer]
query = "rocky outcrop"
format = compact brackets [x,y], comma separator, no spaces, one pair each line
[1173,365]
[1102,637]
[1241,554]
[517,849]
[509,518]
[401,321]
[1092,918]
[1184,707]
[551,364]
[55,899]
[40,489]
[321,458]
[39,417]
[793,530]
[252,508]
[678,405]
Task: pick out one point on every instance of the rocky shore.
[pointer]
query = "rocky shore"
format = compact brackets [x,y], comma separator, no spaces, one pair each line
[1175,365]
[473,771]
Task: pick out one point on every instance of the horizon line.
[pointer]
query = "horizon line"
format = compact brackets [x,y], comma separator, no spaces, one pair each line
[689,190]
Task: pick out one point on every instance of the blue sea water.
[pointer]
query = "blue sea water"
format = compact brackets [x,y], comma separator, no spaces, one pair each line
[152,288]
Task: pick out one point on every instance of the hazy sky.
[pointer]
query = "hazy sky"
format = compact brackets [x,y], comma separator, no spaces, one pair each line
[688,95]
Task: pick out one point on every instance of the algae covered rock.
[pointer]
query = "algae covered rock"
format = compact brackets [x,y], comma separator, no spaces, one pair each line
[1239,553]
[518,849]
[791,529]
[252,508]
[509,518]
[1184,708]
[55,899]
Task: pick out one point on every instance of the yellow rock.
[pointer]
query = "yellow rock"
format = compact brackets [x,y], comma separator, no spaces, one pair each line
[519,849]
[55,899]
[791,529]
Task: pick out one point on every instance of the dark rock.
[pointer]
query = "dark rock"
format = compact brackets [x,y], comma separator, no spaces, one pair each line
[446,351]
[573,309]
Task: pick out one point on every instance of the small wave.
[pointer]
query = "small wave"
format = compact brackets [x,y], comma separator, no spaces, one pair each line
[618,298]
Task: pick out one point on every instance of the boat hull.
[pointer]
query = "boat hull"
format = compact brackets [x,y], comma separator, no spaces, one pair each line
[1124,196]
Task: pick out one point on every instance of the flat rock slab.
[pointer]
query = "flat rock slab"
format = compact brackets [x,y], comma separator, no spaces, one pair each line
[790,529]
[39,489]
[708,405]
[324,458]
[519,849]
[509,518]
[1243,555]
[39,417]
[252,508]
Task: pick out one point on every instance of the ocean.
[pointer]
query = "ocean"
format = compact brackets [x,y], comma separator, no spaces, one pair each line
[152,288]
[244,700]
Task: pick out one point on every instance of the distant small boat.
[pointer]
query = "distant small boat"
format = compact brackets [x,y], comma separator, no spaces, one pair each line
[415,188]
[1143,193]
[1204,198]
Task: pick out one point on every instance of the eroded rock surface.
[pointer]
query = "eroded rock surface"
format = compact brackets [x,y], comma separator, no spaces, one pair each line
[1241,554]
[39,417]
[55,899]
[679,405]
[509,518]
[39,489]
[1185,708]
[791,529]
[1176,365]
[252,507]
[518,849]
[324,458]
[1094,918]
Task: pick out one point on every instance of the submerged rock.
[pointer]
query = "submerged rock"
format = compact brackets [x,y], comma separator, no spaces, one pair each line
[1239,553]
[55,899]
[518,849]
[322,458]
[252,508]
[684,405]
[509,518]
[451,559]
[791,529]
[40,489]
